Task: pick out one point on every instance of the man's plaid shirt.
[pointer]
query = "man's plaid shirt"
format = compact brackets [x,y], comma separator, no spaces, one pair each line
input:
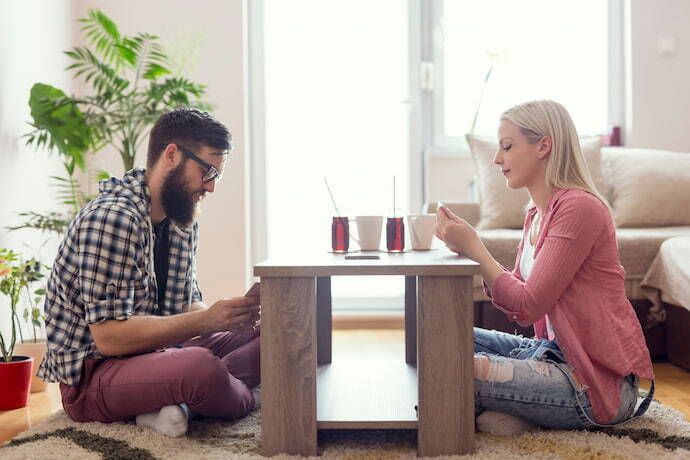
[104,270]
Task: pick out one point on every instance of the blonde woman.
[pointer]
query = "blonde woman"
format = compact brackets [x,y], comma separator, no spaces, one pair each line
[583,366]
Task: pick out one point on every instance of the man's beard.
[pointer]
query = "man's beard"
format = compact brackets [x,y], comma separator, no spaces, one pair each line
[178,202]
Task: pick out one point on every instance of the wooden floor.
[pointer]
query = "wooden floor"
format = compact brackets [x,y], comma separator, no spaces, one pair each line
[672,387]
[368,384]
[41,405]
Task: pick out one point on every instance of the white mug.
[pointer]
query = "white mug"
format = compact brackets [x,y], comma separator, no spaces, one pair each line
[369,232]
[421,230]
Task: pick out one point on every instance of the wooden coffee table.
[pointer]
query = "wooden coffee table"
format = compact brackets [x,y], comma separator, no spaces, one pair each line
[296,353]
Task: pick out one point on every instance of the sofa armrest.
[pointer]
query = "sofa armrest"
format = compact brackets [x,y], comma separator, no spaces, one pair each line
[468,210]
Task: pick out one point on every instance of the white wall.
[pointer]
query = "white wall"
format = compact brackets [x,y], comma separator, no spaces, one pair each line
[658,103]
[215,29]
[33,34]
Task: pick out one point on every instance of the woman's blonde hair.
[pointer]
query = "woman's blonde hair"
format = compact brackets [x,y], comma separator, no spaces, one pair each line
[566,166]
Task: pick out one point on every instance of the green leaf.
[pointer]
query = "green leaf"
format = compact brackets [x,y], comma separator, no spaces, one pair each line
[59,117]
[102,174]
[155,71]
[51,222]
[127,54]
[40,291]
[102,32]
[73,54]
[106,24]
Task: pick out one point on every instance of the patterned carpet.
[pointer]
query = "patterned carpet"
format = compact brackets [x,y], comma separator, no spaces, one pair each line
[661,434]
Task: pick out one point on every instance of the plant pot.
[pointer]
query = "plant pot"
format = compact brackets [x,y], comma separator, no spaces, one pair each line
[15,381]
[37,350]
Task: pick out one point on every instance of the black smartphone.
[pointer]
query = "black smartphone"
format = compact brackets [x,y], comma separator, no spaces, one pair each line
[253,291]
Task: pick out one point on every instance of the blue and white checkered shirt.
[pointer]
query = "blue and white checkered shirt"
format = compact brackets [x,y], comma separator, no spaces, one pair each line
[104,270]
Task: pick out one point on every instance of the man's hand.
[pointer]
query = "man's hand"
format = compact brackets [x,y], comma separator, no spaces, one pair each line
[252,323]
[236,314]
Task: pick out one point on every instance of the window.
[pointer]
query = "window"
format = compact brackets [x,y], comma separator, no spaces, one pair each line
[336,86]
[493,54]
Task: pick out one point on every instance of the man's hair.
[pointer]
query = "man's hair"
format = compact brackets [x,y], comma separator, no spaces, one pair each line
[189,127]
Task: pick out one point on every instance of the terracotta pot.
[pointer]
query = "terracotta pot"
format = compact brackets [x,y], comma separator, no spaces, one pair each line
[37,350]
[15,381]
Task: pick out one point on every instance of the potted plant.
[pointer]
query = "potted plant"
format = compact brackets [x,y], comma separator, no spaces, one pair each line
[35,346]
[15,371]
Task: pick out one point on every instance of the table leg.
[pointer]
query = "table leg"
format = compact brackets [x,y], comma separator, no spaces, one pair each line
[324,320]
[288,366]
[411,320]
[445,366]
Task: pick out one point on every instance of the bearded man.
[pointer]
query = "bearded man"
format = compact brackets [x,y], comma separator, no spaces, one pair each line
[129,337]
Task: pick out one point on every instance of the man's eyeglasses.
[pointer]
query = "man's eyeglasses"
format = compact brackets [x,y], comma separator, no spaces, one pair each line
[211,174]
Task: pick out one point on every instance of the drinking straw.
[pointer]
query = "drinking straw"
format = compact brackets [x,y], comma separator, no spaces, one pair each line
[337,213]
[393,196]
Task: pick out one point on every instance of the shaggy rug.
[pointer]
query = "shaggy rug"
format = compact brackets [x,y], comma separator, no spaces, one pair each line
[662,433]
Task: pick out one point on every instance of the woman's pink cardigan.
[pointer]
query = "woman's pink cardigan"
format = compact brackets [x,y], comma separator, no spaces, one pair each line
[577,279]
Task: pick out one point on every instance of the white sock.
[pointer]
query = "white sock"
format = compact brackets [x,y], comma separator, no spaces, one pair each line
[170,420]
[502,424]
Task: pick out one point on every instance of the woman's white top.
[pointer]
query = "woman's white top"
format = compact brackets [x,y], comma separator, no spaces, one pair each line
[527,259]
[526,264]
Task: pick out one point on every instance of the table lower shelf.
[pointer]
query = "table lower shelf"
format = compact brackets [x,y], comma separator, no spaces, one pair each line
[365,425]
[367,393]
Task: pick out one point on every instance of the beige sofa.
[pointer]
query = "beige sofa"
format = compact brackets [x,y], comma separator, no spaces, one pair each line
[639,184]
[667,285]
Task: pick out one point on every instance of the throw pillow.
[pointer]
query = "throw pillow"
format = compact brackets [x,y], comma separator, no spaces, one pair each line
[649,188]
[501,207]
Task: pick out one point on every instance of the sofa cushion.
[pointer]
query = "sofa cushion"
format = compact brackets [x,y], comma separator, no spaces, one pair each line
[501,207]
[502,243]
[648,188]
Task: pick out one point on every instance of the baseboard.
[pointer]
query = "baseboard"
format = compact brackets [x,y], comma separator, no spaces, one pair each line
[382,321]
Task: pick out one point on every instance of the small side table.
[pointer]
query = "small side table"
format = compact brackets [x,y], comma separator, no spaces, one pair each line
[296,302]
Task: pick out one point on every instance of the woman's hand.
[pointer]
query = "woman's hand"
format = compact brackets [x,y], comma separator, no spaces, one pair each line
[462,238]
[458,235]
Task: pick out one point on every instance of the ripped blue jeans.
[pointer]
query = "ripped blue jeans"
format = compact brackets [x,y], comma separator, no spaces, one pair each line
[529,378]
